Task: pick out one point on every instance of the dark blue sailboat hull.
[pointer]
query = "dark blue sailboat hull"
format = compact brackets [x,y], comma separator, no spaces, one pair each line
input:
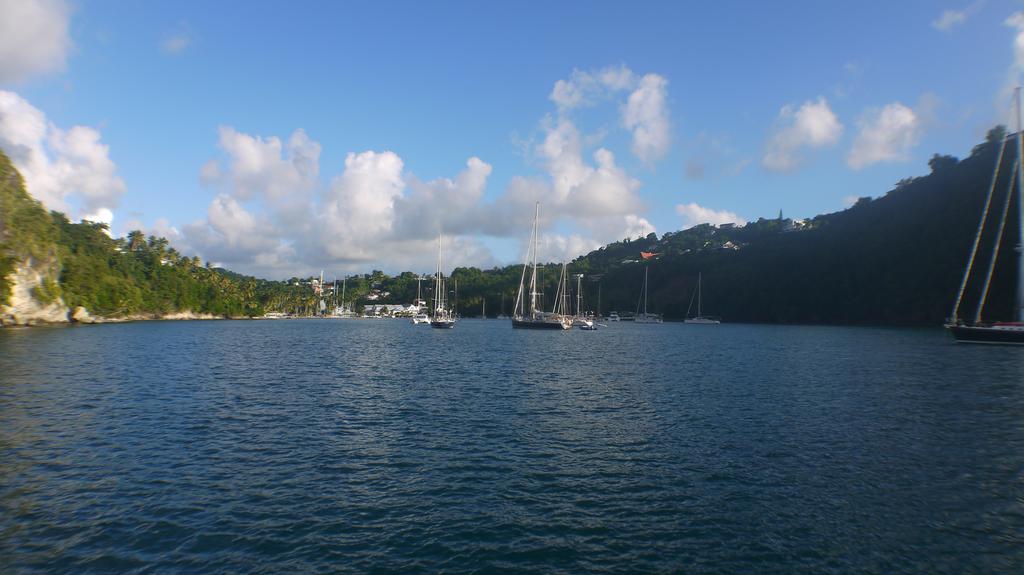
[987,334]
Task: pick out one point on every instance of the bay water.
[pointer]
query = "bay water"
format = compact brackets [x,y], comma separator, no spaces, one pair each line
[298,446]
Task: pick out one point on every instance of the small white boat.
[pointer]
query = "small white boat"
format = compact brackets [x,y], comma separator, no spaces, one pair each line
[614,316]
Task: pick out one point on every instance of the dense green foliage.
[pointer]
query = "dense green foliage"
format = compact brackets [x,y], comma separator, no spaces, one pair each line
[896,259]
[26,232]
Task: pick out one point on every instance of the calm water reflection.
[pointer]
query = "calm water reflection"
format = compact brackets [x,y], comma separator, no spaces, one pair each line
[294,446]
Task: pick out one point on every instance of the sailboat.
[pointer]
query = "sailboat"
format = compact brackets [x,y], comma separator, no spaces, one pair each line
[1000,332]
[580,320]
[443,317]
[527,314]
[700,318]
[421,316]
[645,317]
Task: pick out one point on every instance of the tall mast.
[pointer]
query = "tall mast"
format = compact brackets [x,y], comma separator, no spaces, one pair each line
[699,312]
[645,290]
[533,276]
[437,280]
[579,294]
[1020,213]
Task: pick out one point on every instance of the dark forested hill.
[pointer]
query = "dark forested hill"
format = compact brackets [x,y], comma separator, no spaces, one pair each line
[897,259]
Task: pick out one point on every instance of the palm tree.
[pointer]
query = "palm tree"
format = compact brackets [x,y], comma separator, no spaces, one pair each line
[136,241]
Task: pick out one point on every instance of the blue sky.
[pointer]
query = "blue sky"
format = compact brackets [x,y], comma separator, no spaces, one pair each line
[417,117]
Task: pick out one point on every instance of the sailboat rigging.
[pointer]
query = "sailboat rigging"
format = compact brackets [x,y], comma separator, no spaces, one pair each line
[700,318]
[443,317]
[527,313]
[420,317]
[999,332]
[645,317]
[580,320]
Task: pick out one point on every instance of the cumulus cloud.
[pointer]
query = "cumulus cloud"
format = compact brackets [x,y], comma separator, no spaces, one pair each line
[378,213]
[598,196]
[637,226]
[443,204]
[950,19]
[694,214]
[564,248]
[274,217]
[33,38]
[264,167]
[646,115]
[812,125]
[68,170]
[885,135]
[584,88]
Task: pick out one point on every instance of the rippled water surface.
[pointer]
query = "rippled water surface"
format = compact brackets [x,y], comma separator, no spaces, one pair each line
[327,445]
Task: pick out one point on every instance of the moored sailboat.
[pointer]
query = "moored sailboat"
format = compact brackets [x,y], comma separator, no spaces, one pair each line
[700,318]
[420,317]
[645,317]
[527,313]
[443,317]
[580,320]
[976,330]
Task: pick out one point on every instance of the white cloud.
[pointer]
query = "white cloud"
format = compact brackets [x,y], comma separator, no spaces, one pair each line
[443,205]
[1016,21]
[812,125]
[564,248]
[599,197]
[377,213]
[68,170]
[275,218]
[885,135]
[646,115]
[949,19]
[33,38]
[586,88]
[637,226]
[265,168]
[694,214]
[358,209]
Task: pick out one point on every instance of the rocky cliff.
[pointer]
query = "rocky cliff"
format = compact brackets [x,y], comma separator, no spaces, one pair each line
[29,265]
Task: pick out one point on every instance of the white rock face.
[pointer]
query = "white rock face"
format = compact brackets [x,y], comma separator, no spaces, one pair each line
[81,315]
[23,309]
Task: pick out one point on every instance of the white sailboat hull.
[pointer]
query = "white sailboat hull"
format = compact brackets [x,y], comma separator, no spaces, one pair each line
[702,321]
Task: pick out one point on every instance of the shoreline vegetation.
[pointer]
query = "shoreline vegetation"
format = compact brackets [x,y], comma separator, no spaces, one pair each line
[892,260]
